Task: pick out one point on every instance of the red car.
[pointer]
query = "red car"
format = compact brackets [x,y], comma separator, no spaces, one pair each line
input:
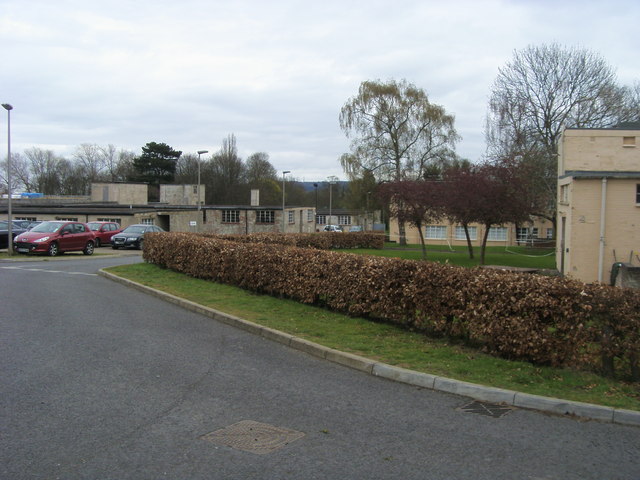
[104,231]
[53,238]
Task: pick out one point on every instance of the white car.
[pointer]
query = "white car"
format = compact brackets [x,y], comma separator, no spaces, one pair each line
[332,228]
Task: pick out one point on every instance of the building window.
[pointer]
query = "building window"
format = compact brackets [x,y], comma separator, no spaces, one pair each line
[231,216]
[67,219]
[114,220]
[265,216]
[473,233]
[549,233]
[30,219]
[522,234]
[497,234]
[292,216]
[638,194]
[321,219]
[309,215]
[195,189]
[147,221]
[628,141]
[436,232]
[344,219]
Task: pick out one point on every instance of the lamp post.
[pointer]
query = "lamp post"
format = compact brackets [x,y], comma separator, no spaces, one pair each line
[332,179]
[283,174]
[8,107]
[200,152]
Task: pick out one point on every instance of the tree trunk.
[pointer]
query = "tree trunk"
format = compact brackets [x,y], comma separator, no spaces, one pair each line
[484,243]
[424,246]
[402,233]
[469,244]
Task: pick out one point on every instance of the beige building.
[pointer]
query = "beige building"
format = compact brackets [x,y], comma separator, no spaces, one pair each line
[121,193]
[538,231]
[182,194]
[127,204]
[598,201]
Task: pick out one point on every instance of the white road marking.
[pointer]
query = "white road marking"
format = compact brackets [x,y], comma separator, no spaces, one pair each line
[49,271]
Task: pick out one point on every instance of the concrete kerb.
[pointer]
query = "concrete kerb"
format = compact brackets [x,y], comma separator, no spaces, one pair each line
[477,392]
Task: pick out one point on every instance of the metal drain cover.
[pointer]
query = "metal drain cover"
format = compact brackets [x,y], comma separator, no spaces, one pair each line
[489,409]
[254,437]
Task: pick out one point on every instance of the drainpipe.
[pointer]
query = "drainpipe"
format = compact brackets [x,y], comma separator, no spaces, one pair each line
[603,207]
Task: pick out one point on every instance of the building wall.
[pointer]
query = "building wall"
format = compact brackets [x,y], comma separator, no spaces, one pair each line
[247,221]
[602,150]
[609,161]
[121,193]
[181,194]
[413,236]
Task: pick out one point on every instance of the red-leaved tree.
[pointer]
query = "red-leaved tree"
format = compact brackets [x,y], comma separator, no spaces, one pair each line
[415,202]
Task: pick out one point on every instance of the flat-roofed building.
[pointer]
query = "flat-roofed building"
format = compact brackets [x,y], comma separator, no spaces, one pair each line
[598,201]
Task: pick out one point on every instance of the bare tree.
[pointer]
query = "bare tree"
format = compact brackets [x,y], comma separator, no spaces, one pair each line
[187,169]
[90,156]
[225,174]
[45,170]
[20,173]
[542,91]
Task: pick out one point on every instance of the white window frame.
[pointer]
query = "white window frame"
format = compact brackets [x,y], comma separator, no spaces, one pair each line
[147,221]
[321,219]
[231,216]
[344,219]
[460,235]
[265,216]
[435,232]
[292,217]
[497,234]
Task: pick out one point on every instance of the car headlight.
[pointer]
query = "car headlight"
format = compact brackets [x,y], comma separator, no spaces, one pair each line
[132,239]
[43,239]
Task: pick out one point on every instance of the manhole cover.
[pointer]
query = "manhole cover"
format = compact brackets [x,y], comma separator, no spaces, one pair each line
[254,437]
[489,409]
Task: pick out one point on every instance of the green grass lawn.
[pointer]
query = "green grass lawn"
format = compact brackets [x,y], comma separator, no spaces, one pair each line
[388,343]
[525,257]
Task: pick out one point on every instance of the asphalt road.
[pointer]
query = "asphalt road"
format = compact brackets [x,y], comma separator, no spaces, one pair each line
[102,382]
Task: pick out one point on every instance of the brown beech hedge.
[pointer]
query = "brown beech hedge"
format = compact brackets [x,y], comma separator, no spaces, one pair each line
[544,320]
[322,241]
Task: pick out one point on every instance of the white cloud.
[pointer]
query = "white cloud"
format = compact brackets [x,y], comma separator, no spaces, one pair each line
[273,73]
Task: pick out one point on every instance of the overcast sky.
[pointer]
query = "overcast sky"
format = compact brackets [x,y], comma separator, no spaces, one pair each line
[273,72]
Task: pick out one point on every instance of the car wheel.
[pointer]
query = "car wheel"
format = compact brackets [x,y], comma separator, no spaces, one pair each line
[140,244]
[114,247]
[53,249]
[88,249]
[98,244]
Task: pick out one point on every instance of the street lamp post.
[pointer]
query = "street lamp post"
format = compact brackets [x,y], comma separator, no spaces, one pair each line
[8,107]
[283,174]
[200,152]
[332,179]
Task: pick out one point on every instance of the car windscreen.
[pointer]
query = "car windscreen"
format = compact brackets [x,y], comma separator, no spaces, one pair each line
[134,229]
[95,226]
[47,227]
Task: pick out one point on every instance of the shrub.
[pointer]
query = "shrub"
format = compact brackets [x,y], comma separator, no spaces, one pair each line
[545,320]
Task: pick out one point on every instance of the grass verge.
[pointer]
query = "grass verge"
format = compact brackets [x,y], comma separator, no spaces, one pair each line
[523,257]
[387,343]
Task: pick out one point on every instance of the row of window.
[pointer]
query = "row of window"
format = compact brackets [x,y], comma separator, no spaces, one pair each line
[262,216]
[497,234]
[342,219]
